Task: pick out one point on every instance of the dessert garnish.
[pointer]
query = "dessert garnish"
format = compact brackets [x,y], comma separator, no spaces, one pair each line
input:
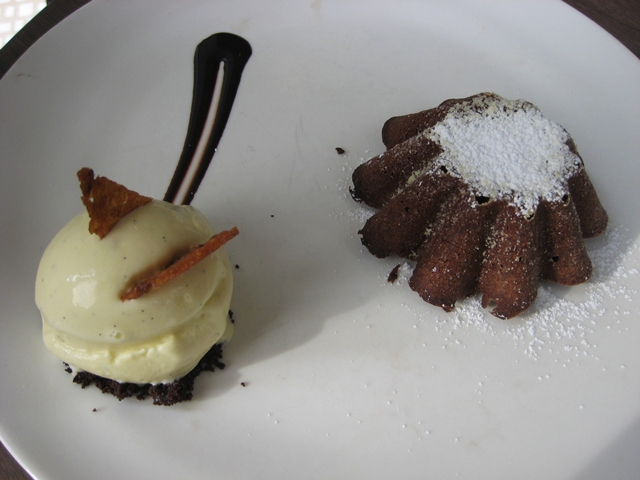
[106,201]
[219,61]
[181,265]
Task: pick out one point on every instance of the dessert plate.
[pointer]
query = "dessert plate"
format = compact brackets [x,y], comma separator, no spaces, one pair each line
[333,371]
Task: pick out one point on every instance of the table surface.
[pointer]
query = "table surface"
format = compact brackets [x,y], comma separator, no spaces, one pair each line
[621,18]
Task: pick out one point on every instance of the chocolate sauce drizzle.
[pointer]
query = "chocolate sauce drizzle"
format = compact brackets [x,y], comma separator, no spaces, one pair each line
[221,57]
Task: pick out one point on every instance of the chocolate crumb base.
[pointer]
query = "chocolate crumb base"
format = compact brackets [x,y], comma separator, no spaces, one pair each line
[167,394]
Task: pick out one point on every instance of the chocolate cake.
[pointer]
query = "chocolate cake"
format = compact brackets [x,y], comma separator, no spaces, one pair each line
[487,196]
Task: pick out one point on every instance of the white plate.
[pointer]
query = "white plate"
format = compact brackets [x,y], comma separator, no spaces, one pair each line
[346,376]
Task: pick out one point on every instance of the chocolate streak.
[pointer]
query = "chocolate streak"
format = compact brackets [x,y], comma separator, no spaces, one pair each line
[233,52]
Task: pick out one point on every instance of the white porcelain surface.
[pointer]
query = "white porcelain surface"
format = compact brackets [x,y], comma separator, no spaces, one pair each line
[347,376]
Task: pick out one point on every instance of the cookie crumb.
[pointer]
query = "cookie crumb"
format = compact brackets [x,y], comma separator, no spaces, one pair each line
[340,150]
[393,276]
[163,393]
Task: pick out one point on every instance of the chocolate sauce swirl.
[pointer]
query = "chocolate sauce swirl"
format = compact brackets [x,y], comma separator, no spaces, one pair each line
[218,63]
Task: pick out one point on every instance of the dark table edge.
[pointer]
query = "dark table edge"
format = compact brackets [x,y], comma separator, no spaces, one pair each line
[622,21]
[45,20]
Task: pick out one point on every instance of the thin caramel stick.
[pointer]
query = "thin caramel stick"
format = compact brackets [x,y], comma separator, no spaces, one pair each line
[181,265]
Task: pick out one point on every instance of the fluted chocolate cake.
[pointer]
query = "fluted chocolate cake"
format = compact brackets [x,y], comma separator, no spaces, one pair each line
[487,196]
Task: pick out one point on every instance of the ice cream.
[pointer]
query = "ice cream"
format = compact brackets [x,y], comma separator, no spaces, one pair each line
[156,338]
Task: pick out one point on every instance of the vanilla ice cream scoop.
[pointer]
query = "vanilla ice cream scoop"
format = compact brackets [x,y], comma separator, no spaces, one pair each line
[156,338]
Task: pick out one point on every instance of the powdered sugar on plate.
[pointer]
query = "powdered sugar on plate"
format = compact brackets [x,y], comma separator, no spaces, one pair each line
[557,322]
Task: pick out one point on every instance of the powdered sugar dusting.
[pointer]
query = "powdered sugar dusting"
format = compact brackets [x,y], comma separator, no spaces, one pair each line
[362,214]
[553,322]
[506,150]
[404,273]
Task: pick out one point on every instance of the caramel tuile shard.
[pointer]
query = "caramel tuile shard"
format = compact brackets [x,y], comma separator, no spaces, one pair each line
[106,201]
[181,265]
